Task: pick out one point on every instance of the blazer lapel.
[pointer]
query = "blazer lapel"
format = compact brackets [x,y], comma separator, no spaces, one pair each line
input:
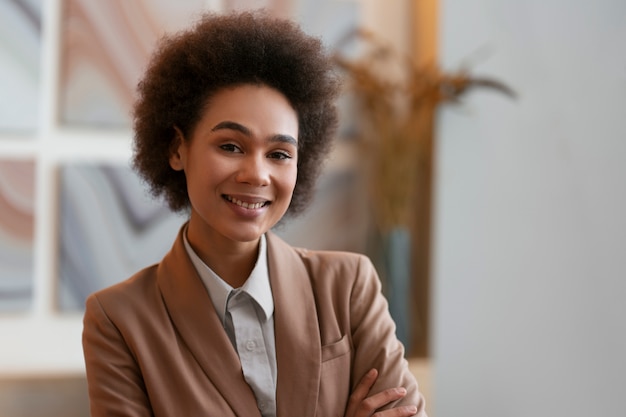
[192,313]
[298,346]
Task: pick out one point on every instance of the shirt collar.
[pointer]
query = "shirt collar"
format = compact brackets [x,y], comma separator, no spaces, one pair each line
[257,286]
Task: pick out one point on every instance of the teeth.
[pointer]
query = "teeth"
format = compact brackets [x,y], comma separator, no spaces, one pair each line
[244,204]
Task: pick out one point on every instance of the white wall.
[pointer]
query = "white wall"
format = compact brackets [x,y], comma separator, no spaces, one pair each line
[530,233]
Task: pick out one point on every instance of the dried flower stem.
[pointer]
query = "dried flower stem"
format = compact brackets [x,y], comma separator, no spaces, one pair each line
[396,119]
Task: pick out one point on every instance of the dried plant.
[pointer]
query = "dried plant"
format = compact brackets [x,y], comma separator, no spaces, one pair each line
[395,112]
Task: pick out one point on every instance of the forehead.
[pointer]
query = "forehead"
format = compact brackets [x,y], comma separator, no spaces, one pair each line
[262,110]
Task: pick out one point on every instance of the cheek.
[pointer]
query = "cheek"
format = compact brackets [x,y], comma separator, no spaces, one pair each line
[290,183]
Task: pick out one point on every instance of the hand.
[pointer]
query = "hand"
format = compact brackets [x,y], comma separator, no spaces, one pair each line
[362,405]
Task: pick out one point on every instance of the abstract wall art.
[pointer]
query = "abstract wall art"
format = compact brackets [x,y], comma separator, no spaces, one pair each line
[109,228]
[106,45]
[17,200]
[20,46]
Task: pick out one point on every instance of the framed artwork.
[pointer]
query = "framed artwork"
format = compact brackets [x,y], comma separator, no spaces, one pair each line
[105,46]
[109,228]
[20,49]
[17,200]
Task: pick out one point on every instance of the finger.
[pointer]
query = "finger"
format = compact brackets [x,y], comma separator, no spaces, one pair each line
[369,405]
[365,384]
[361,391]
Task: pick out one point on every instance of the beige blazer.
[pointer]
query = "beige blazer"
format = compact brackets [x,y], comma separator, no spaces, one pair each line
[154,345]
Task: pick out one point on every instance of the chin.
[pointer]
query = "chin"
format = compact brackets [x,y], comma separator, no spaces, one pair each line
[246,236]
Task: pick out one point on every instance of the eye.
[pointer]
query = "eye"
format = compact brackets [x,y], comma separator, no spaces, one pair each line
[280,155]
[230,147]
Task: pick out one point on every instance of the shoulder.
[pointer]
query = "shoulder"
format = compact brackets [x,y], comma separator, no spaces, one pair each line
[326,266]
[333,261]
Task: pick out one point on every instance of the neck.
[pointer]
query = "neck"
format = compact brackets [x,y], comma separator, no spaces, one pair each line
[232,261]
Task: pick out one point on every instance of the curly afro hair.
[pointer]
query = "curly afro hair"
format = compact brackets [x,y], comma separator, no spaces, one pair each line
[221,51]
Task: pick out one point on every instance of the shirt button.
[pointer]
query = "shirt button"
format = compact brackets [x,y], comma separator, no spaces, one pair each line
[250,345]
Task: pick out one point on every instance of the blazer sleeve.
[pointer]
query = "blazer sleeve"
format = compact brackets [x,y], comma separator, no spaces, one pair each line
[374,340]
[114,381]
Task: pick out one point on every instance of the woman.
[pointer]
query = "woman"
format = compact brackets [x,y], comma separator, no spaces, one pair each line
[233,119]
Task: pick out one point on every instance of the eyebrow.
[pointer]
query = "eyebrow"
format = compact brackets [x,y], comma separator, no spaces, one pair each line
[238,127]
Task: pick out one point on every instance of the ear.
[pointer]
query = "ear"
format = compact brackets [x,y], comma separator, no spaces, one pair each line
[176,151]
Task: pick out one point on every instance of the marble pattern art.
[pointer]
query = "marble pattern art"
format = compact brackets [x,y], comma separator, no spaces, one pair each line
[110,227]
[106,45]
[17,189]
[282,8]
[20,45]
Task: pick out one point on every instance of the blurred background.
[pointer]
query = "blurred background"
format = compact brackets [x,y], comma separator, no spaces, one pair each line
[506,267]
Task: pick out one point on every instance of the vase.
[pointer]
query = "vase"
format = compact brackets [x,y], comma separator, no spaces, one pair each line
[397,263]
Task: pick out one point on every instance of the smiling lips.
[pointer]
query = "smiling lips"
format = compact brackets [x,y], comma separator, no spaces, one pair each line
[246,205]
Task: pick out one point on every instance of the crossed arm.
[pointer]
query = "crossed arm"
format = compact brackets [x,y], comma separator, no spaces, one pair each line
[362,404]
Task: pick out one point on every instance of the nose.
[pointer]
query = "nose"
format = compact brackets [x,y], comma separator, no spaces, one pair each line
[254,170]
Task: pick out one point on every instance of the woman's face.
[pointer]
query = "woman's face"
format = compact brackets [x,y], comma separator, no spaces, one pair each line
[240,162]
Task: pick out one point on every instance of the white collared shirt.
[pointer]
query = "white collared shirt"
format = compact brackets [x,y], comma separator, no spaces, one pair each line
[247,314]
